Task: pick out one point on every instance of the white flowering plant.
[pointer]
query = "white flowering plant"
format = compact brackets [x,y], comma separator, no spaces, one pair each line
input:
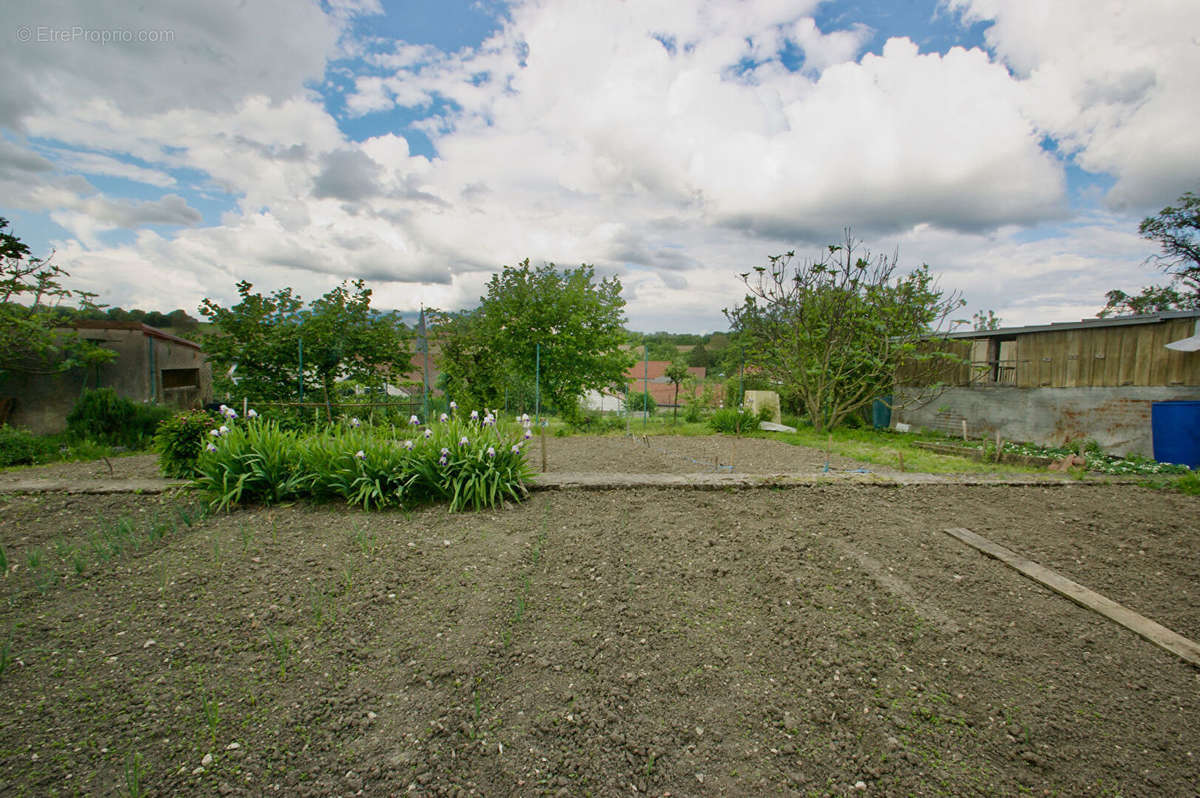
[468,463]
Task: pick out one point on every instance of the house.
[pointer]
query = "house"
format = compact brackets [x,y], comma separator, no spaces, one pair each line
[646,375]
[151,366]
[1049,384]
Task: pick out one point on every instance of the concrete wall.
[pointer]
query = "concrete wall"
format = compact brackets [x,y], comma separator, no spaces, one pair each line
[754,401]
[42,402]
[1116,418]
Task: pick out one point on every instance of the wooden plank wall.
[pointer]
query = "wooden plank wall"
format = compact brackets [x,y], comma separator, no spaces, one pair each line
[1123,355]
[1107,357]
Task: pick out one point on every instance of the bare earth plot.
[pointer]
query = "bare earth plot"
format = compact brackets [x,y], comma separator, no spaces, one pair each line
[816,640]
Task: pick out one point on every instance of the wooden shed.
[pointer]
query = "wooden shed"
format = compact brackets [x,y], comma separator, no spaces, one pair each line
[1094,378]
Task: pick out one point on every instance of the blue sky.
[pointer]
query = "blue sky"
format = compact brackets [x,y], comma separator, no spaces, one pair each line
[1013,146]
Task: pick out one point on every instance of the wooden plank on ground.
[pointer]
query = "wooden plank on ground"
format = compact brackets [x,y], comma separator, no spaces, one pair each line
[1156,633]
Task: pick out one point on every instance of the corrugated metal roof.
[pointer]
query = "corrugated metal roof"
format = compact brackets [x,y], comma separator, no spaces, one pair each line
[1082,324]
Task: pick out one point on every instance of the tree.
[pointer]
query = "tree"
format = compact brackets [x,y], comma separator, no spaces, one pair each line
[699,356]
[32,340]
[981,320]
[835,329]
[1152,299]
[256,344]
[677,372]
[1177,231]
[564,319]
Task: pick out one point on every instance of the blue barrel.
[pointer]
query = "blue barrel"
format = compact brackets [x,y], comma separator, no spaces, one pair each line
[1176,430]
[881,412]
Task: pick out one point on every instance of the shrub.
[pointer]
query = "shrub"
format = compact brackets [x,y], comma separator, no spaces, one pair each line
[641,402]
[179,441]
[22,447]
[729,420]
[1189,483]
[594,421]
[103,416]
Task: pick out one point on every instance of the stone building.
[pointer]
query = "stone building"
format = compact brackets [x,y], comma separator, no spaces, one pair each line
[151,366]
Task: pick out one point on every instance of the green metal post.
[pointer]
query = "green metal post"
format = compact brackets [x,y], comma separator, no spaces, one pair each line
[537,384]
[300,349]
[645,384]
[425,347]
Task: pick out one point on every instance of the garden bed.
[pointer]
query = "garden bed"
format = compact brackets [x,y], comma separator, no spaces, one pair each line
[977,453]
[797,641]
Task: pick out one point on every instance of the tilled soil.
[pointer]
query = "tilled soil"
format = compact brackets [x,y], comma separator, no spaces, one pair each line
[818,640]
[138,466]
[677,454]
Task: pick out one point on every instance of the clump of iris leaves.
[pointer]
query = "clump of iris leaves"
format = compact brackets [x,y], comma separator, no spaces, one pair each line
[471,463]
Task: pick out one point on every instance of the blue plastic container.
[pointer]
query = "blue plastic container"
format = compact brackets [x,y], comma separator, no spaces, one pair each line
[1176,430]
[881,412]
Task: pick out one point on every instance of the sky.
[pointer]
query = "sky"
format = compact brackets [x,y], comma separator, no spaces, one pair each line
[165,151]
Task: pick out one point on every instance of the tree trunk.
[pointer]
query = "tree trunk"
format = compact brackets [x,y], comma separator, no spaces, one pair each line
[675,410]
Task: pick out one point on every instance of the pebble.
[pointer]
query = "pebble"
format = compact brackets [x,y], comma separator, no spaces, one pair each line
[149,643]
[233,746]
[860,785]
[207,760]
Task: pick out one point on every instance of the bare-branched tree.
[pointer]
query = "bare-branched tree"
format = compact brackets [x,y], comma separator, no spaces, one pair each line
[835,330]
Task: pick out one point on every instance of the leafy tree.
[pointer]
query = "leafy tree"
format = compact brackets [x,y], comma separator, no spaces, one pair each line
[699,356]
[31,338]
[1176,228]
[1177,231]
[835,329]
[661,350]
[981,320]
[575,321]
[1152,299]
[677,372]
[342,338]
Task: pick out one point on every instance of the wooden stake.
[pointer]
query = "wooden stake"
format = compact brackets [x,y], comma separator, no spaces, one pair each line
[900,454]
[964,422]
[998,440]
[543,448]
[1159,635]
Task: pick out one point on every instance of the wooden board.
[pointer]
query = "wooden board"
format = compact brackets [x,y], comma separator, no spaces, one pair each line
[1128,370]
[1157,634]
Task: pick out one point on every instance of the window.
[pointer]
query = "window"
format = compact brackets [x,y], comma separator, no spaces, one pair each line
[180,379]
